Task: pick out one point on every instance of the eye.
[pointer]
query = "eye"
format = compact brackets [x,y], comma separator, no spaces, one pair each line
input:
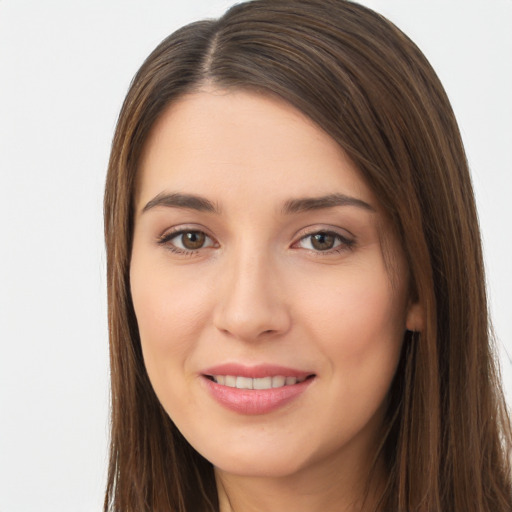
[186,240]
[325,241]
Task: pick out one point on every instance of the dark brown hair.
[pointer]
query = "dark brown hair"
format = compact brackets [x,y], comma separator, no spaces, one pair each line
[447,436]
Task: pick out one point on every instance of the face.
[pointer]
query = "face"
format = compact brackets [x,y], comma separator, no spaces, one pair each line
[270,325]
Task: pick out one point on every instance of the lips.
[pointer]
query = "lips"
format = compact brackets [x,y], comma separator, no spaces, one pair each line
[255,389]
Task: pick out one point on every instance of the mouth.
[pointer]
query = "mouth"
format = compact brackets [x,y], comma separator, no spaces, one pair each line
[253,390]
[259,383]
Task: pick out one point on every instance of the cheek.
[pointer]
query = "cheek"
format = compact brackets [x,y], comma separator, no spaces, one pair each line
[359,325]
[168,319]
[170,312]
[359,299]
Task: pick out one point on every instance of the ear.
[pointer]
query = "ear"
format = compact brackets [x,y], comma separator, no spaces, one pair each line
[415,319]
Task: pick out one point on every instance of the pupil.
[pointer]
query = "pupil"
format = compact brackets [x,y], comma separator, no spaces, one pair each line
[323,241]
[193,239]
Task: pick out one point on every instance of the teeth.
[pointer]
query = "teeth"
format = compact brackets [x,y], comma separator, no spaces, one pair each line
[230,381]
[236,381]
[264,383]
[278,381]
[244,383]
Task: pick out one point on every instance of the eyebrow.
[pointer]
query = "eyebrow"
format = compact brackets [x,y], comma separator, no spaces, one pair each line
[199,203]
[178,200]
[329,201]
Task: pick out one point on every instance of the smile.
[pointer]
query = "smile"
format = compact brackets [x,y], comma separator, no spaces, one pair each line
[253,390]
[240,382]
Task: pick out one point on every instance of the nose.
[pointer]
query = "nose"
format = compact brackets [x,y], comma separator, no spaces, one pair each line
[252,302]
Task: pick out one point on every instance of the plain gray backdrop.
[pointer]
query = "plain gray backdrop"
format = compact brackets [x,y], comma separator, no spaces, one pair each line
[65,67]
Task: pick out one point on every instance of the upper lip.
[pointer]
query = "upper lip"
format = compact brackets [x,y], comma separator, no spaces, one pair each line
[255,371]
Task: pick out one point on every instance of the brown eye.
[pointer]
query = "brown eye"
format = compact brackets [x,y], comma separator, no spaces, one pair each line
[186,241]
[323,241]
[193,240]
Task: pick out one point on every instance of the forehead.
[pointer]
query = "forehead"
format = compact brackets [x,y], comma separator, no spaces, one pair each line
[236,142]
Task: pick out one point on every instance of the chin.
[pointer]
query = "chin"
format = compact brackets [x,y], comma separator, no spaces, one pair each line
[260,463]
[267,468]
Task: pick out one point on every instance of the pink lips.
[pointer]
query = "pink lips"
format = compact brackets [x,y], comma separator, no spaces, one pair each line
[255,401]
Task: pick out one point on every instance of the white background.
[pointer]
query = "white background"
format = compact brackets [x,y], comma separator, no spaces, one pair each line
[65,66]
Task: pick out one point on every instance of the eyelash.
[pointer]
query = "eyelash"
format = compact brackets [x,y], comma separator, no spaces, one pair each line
[166,238]
[345,244]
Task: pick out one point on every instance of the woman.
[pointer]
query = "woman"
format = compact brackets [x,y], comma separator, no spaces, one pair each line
[296,292]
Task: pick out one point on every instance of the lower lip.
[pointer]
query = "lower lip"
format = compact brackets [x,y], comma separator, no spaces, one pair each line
[255,401]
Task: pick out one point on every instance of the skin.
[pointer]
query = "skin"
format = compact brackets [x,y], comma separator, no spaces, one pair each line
[258,291]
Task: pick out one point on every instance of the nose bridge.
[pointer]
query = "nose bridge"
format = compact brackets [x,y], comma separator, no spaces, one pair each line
[251,301]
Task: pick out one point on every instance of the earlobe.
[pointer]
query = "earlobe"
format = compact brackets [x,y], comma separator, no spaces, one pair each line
[415,320]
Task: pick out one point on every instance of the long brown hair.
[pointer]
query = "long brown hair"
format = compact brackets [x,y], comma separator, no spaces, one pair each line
[447,440]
